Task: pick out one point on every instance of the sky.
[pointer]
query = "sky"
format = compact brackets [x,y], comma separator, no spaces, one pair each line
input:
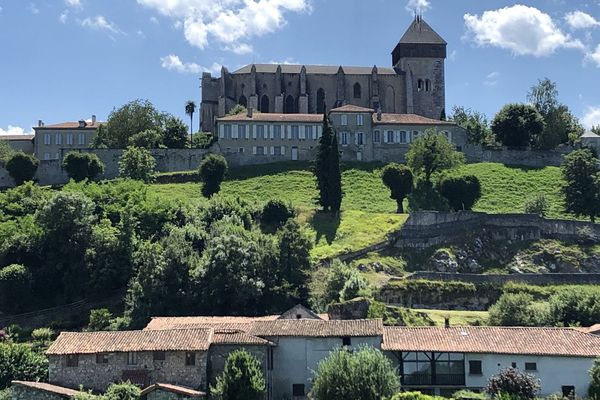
[64,60]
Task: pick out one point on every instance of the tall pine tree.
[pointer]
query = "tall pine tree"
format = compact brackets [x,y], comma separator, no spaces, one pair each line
[322,163]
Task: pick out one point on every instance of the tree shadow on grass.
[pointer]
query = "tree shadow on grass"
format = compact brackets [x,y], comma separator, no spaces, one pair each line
[325,224]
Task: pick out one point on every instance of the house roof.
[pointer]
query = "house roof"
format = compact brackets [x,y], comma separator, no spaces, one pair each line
[46,387]
[272,117]
[161,323]
[16,138]
[313,69]
[69,125]
[420,32]
[238,338]
[407,119]
[594,329]
[590,134]
[109,342]
[317,328]
[493,340]
[350,108]
[173,389]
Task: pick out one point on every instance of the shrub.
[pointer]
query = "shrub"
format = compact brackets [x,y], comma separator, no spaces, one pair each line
[364,374]
[413,396]
[425,197]
[462,192]
[517,125]
[22,167]
[519,309]
[100,320]
[123,391]
[137,163]
[212,172]
[468,395]
[6,394]
[80,166]
[594,388]
[42,335]
[242,378]
[343,283]
[15,284]
[19,362]
[276,213]
[148,139]
[399,179]
[537,204]
[511,381]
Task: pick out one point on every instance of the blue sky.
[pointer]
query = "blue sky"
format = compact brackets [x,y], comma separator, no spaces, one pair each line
[64,60]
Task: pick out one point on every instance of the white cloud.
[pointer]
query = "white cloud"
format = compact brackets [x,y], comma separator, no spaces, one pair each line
[154,20]
[15,130]
[140,33]
[287,61]
[591,117]
[521,29]
[34,9]
[418,5]
[581,20]
[64,16]
[594,56]
[228,22]
[73,3]
[174,63]
[100,23]
[491,80]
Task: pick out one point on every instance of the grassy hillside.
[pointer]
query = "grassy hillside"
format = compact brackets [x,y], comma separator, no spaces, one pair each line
[367,211]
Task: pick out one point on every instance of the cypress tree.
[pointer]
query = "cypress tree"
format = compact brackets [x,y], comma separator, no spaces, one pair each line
[334,177]
[322,162]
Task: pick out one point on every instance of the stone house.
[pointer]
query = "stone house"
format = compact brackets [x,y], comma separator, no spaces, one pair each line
[53,142]
[22,143]
[40,391]
[163,391]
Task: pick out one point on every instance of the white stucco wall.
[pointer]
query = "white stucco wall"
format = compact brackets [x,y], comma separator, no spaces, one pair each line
[295,359]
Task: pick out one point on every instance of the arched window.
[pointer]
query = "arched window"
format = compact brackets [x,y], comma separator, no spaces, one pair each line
[420,85]
[320,101]
[427,85]
[264,104]
[290,105]
[357,91]
[243,101]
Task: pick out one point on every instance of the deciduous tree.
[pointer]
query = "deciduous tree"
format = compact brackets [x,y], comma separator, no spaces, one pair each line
[518,125]
[242,378]
[399,179]
[514,383]
[80,166]
[462,192]
[22,167]
[431,153]
[212,172]
[137,163]
[581,190]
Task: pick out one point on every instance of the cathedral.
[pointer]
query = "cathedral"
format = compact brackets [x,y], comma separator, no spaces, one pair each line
[413,85]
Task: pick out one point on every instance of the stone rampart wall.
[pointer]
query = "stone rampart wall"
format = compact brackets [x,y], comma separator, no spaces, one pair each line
[526,158]
[499,280]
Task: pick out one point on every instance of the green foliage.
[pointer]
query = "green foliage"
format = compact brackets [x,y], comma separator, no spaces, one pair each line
[594,388]
[518,125]
[175,134]
[512,382]
[86,396]
[137,163]
[80,166]
[465,394]
[475,123]
[42,335]
[237,109]
[425,197]
[431,153]
[537,204]
[15,288]
[364,374]
[327,170]
[399,179]
[276,213]
[343,283]
[582,189]
[242,378]
[213,169]
[414,396]
[19,362]
[5,152]
[148,139]
[6,394]
[203,140]
[519,309]
[190,109]
[462,192]
[100,320]
[22,167]
[580,307]
[22,200]
[122,391]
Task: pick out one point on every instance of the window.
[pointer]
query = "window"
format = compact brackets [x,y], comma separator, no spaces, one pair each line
[297,390]
[295,132]
[420,85]
[357,91]
[427,85]
[241,150]
[132,358]
[390,136]
[58,138]
[260,150]
[81,139]
[276,150]
[227,131]
[360,138]
[403,137]
[46,138]
[344,120]
[376,136]
[360,120]
[277,130]
[159,356]
[568,391]
[514,365]
[475,367]
[101,358]
[530,366]
[69,138]
[72,360]
[344,138]
[46,156]
[420,368]
[190,359]
[346,341]
[242,131]
[260,131]
[309,132]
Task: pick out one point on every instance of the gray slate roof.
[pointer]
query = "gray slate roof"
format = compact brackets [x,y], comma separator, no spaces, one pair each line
[313,69]
[420,32]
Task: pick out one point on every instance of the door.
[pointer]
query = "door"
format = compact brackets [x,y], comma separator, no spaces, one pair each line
[294,154]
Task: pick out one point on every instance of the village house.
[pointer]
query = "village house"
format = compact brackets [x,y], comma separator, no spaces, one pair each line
[53,142]
[178,354]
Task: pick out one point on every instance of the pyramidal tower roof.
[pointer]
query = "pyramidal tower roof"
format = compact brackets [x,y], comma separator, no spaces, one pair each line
[420,32]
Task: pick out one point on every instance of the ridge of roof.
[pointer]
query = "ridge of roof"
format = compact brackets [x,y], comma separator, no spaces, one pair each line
[421,32]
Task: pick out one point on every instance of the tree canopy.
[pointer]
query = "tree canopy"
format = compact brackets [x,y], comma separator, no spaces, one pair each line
[80,166]
[475,123]
[430,153]
[518,125]
[137,163]
[242,378]
[213,169]
[581,190]
[22,167]
[399,179]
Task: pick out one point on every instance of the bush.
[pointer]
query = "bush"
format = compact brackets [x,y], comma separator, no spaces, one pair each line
[242,378]
[468,395]
[537,204]
[22,167]
[15,285]
[137,163]
[203,140]
[148,139]
[519,309]
[6,394]
[425,197]
[462,192]
[80,166]
[364,374]
[343,283]
[518,125]
[100,320]
[19,362]
[399,179]
[511,381]
[123,391]
[276,213]
[594,388]
[413,396]
[212,172]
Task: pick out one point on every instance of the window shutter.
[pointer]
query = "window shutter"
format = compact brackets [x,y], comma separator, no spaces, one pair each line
[222,131]
[272,131]
[289,132]
[283,150]
[302,132]
[319,132]
[234,133]
[253,127]
[272,150]
[254,150]
[385,137]
[356,138]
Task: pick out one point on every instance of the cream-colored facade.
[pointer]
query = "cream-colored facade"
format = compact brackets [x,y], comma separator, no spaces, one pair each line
[53,142]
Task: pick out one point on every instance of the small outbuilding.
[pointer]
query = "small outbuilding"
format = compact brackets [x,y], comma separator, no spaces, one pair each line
[164,391]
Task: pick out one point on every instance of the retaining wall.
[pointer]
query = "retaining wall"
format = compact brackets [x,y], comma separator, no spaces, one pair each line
[528,158]
[499,280]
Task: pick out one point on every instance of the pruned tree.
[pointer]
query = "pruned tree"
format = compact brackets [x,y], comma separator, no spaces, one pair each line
[327,169]
[462,192]
[242,378]
[212,172]
[80,166]
[399,179]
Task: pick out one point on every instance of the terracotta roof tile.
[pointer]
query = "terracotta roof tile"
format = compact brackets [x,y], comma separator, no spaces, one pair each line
[408,119]
[161,323]
[317,328]
[69,125]
[271,117]
[108,342]
[351,108]
[494,340]
[236,337]
[173,389]
[46,387]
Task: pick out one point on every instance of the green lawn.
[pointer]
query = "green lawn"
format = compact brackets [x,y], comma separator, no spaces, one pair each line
[457,318]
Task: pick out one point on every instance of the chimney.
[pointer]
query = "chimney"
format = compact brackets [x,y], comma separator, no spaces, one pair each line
[249,112]
[40,123]
[93,120]
[379,114]
[446,322]
[82,123]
